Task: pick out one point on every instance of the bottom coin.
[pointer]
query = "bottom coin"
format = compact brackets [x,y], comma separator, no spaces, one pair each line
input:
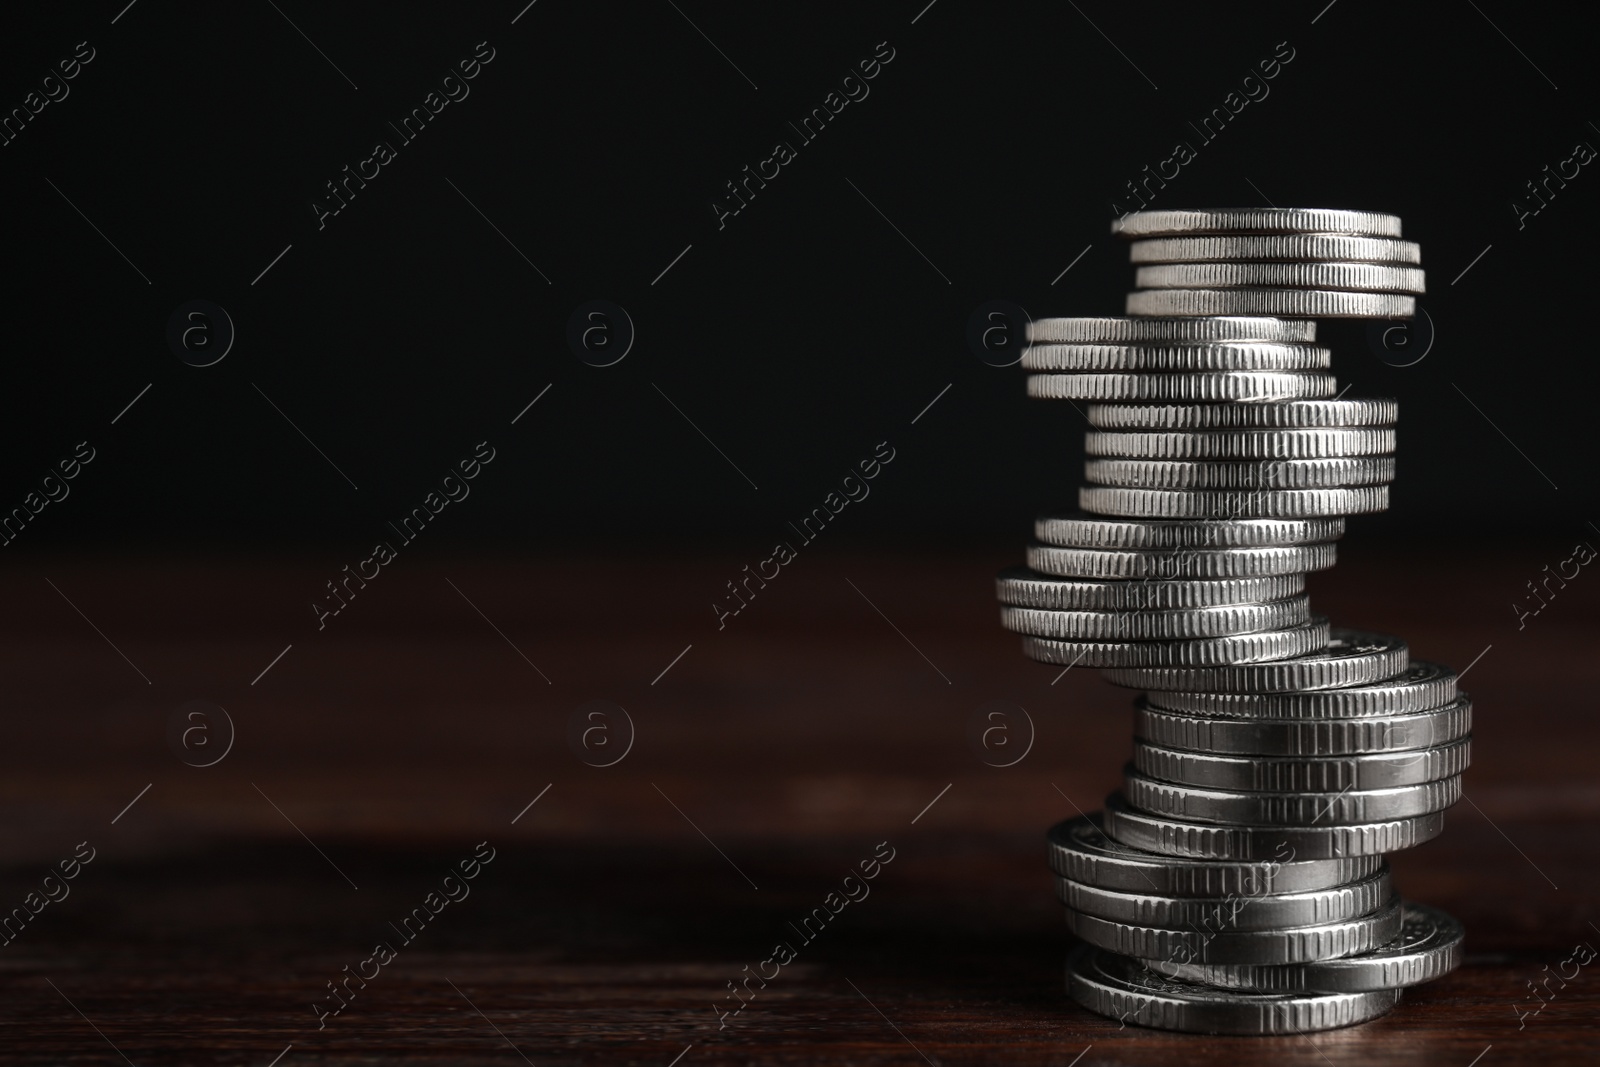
[1428,947]
[1124,989]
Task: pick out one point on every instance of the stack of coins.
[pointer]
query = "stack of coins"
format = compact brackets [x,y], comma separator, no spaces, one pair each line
[1237,884]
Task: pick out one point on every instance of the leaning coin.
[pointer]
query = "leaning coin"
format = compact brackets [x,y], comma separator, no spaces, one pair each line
[1093,531]
[1244,912]
[1122,988]
[1240,444]
[1181,562]
[1232,503]
[1287,414]
[1297,944]
[1429,946]
[1283,248]
[1352,657]
[1157,625]
[1029,589]
[1240,473]
[1347,807]
[1310,303]
[1255,220]
[1179,837]
[1242,386]
[1239,648]
[1360,277]
[1304,737]
[1187,330]
[1219,356]
[1303,774]
[1421,687]
[1081,851]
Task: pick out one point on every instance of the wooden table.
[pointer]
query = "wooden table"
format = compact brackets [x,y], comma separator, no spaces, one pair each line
[769,759]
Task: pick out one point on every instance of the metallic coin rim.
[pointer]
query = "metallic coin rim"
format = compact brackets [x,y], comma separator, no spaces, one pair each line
[1181,222]
[1312,303]
[1122,997]
[1275,248]
[1333,472]
[1288,414]
[1245,444]
[1167,625]
[1330,275]
[1312,774]
[1400,695]
[1243,386]
[1264,329]
[1238,648]
[1355,657]
[1238,808]
[1012,586]
[1113,865]
[1175,358]
[1243,912]
[1174,564]
[1304,737]
[1162,535]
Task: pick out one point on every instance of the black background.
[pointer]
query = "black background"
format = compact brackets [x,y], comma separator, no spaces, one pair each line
[797,337]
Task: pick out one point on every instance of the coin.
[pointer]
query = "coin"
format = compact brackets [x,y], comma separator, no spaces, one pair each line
[1221,356]
[1241,473]
[1241,444]
[1288,414]
[1304,737]
[1256,220]
[1361,277]
[1265,330]
[1180,563]
[1157,625]
[1421,686]
[1429,946]
[1179,837]
[1092,531]
[1309,303]
[1242,386]
[1232,503]
[1298,944]
[1194,803]
[1121,988]
[1029,589]
[1305,774]
[1233,911]
[1235,649]
[1080,850]
[1352,657]
[1286,248]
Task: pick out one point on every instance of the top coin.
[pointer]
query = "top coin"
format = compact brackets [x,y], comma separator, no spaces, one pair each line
[1256,220]
[1286,248]
[1256,328]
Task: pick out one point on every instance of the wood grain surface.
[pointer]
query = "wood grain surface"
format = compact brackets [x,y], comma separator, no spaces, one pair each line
[827,722]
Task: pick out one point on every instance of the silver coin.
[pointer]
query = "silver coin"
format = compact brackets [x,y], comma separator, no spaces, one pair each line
[1029,589]
[1093,531]
[1255,220]
[1180,563]
[1121,988]
[1347,807]
[1287,414]
[1239,648]
[1185,330]
[1351,657]
[1241,912]
[1430,945]
[1303,774]
[1298,944]
[1080,850]
[1237,386]
[1241,473]
[1240,444]
[1308,303]
[1421,687]
[1157,625]
[1343,277]
[1304,737]
[1220,356]
[1232,503]
[1283,248]
[1179,837]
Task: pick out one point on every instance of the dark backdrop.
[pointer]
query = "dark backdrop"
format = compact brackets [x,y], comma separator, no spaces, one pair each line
[817,322]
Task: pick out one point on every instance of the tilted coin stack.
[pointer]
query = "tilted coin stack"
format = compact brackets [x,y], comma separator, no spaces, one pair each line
[1237,884]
